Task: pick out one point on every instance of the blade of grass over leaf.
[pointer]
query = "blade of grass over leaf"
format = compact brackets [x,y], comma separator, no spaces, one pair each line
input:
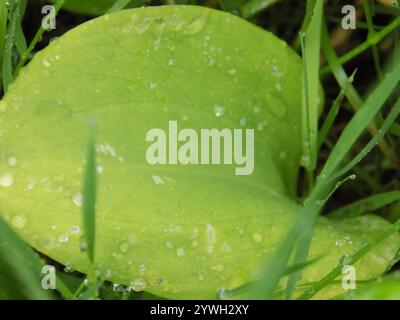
[34,42]
[25,265]
[7,67]
[244,289]
[313,203]
[89,196]
[20,41]
[348,260]
[265,286]
[366,205]
[304,227]
[3,27]
[328,176]
[310,39]
[254,7]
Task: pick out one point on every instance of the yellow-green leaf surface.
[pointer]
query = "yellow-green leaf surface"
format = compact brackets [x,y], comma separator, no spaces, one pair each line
[175,231]
[385,288]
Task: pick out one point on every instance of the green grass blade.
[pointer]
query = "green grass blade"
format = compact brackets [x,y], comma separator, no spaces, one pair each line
[351,93]
[38,36]
[350,260]
[119,5]
[311,46]
[3,27]
[89,197]
[372,41]
[24,264]
[254,7]
[363,206]
[7,68]
[20,41]
[394,113]
[309,15]
[244,289]
[64,290]
[91,292]
[371,32]
[230,5]
[332,114]
[307,229]
[264,288]
[361,120]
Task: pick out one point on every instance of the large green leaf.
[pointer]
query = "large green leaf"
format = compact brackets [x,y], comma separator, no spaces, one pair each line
[176,231]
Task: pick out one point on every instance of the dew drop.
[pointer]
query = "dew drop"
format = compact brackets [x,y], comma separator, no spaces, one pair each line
[82,244]
[261,125]
[132,238]
[108,273]
[138,285]
[211,238]
[222,294]
[74,229]
[46,63]
[211,61]
[142,268]
[124,247]
[12,161]
[19,221]
[157,180]
[218,268]
[77,199]
[219,110]
[243,122]
[63,237]
[6,180]
[180,252]
[68,267]
[257,238]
